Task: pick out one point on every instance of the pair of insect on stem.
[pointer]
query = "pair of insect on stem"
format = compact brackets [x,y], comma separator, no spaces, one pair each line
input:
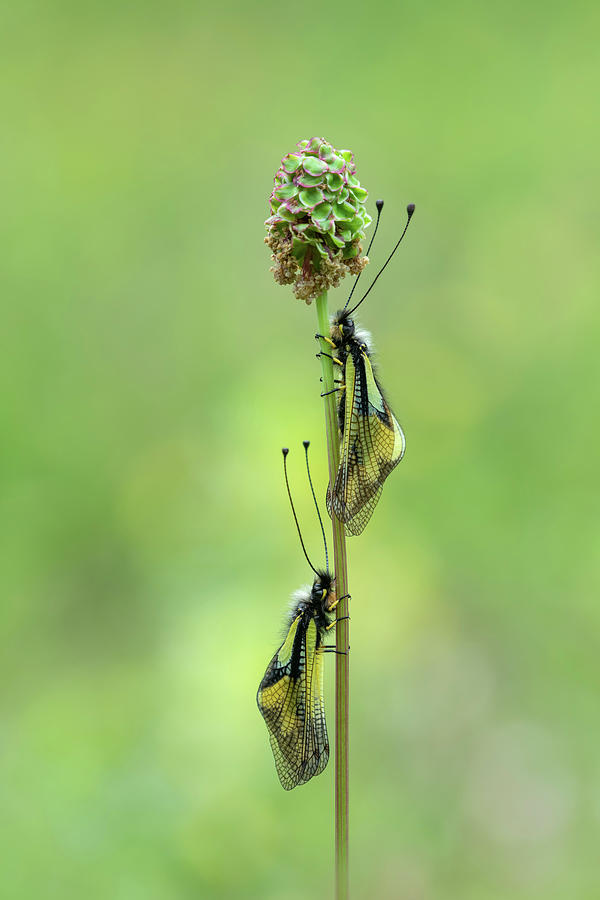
[290,695]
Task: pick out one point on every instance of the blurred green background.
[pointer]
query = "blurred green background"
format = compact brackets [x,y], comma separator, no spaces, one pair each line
[152,370]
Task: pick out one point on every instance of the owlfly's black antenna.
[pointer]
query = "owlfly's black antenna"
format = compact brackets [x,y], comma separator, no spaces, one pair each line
[285,451]
[306,446]
[379,205]
[410,210]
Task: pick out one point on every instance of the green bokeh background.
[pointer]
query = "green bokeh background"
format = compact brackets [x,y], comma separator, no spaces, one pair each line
[151,371]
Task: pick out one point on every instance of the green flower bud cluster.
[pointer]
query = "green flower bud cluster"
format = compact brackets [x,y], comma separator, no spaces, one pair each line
[318,218]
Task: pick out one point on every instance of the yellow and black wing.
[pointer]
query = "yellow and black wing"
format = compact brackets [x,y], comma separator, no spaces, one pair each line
[372,444]
[290,698]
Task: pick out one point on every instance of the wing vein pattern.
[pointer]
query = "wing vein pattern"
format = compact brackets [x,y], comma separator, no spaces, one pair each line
[372,445]
[290,698]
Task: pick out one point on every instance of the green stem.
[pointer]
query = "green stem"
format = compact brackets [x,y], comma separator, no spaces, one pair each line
[342,670]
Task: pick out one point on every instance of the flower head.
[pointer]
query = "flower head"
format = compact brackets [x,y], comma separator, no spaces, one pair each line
[318,218]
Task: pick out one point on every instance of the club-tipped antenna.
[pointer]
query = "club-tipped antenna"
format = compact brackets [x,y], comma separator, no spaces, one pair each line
[285,451]
[410,210]
[306,446]
[379,205]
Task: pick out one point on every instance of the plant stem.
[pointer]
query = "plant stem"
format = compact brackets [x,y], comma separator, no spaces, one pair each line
[342,670]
